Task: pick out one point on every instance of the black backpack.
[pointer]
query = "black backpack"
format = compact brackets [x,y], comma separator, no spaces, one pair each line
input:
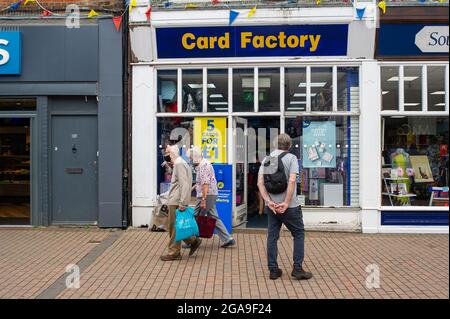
[276,182]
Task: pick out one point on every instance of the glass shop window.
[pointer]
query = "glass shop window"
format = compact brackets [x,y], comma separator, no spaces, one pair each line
[243,90]
[269,90]
[295,89]
[412,81]
[436,88]
[321,89]
[217,90]
[192,86]
[167,91]
[390,88]
[347,89]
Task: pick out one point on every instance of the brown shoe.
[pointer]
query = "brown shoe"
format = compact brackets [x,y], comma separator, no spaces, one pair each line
[170,257]
[194,246]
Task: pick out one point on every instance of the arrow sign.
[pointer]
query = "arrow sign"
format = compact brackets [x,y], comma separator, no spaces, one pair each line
[433,39]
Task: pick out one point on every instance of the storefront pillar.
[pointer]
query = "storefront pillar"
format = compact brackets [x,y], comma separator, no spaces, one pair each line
[370,162]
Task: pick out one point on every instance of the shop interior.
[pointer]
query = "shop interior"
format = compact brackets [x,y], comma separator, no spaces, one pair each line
[15,164]
[415,161]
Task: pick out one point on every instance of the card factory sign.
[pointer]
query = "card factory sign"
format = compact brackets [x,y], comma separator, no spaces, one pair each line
[252,41]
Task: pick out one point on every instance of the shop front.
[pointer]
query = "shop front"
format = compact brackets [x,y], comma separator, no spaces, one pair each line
[196,80]
[60,124]
[412,52]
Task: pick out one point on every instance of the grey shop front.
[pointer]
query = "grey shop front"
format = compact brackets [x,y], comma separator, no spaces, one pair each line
[61,137]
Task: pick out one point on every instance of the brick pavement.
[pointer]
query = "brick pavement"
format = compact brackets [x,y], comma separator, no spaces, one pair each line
[411,266]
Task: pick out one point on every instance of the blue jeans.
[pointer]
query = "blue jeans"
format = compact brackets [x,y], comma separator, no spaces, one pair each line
[293,219]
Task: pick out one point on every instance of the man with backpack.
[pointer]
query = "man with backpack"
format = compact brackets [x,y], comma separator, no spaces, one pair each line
[277,182]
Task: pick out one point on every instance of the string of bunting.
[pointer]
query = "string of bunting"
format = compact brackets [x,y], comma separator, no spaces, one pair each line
[131,4]
[117,20]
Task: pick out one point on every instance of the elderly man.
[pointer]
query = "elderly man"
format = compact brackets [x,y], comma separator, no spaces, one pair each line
[207,192]
[283,207]
[179,198]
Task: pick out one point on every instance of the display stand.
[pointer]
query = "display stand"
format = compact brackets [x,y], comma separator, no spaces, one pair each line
[388,181]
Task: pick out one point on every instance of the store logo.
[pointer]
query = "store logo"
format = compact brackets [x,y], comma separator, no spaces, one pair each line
[10,53]
[433,39]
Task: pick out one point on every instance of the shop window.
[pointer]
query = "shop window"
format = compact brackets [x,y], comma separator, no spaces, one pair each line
[415,161]
[328,153]
[217,90]
[243,90]
[348,89]
[321,89]
[192,86]
[436,88]
[295,89]
[167,91]
[412,82]
[7,104]
[390,88]
[269,90]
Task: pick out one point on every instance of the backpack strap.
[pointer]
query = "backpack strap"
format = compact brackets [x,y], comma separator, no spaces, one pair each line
[283,154]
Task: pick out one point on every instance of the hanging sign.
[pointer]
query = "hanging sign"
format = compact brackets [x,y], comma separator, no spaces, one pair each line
[252,41]
[211,134]
[10,53]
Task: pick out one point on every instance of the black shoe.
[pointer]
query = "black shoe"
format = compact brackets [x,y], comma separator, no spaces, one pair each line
[229,243]
[301,274]
[194,246]
[186,246]
[275,274]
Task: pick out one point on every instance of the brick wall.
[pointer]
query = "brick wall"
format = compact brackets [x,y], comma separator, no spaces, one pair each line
[60,5]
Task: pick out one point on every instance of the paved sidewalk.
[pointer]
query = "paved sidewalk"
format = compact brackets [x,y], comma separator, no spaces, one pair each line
[33,261]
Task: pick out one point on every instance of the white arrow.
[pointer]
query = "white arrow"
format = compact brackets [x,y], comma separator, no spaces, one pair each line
[433,39]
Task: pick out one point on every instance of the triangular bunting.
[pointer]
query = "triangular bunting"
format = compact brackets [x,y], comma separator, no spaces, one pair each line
[190,6]
[233,16]
[92,14]
[117,22]
[252,12]
[167,4]
[360,12]
[132,5]
[15,6]
[46,13]
[148,13]
[214,2]
[382,6]
[27,1]
[319,2]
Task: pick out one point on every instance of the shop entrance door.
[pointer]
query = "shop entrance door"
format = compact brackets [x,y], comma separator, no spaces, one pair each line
[74,170]
[240,168]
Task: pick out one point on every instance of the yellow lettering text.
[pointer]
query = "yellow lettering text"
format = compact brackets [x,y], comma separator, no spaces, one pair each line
[184,41]
[282,39]
[314,42]
[224,41]
[271,42]
[292,41]
[303,39]
[202,43]
[258,42]
[245,39]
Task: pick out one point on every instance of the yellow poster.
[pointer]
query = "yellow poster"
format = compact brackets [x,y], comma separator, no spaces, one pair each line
[211,134]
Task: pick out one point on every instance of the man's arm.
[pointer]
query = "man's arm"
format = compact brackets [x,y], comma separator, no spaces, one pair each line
[185,188]
[290,191]
[265,195]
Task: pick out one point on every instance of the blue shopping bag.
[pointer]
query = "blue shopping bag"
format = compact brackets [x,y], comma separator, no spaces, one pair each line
[185,224]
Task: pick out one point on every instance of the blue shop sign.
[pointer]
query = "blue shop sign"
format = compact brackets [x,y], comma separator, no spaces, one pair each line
[413,40]
[10,53]
[252,41]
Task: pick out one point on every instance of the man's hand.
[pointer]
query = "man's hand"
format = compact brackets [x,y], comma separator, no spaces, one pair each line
[203,204]
[181,208]
[272,206]
[281,208]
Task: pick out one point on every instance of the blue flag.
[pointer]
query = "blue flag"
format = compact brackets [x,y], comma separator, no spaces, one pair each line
[16,5]
[233,16]
[360,12]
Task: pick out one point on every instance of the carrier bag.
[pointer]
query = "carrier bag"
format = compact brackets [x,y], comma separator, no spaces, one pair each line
[185,224]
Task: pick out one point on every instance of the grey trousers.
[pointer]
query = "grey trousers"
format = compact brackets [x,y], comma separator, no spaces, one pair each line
[211,210]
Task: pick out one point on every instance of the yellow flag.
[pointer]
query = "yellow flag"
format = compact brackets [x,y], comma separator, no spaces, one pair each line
[319,2]
[132,5]
[190,6]
[26,2]
[252,12]
[382,6]
[92,14]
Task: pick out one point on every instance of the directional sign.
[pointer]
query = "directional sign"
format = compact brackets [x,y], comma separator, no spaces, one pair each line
[433,39]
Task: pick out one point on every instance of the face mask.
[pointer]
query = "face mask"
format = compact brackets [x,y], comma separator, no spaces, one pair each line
[167,158]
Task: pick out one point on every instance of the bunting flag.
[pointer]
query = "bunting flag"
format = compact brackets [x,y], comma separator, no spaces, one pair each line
[92,14]
[214,2]
[318,2]
[382,6]
[190,6]
[167,4]
[422,1]
[360,12]
[132,5]
[46,13]
[27,1]
[148,13]
[16,5]
[117,22]
[252,12]
[233,16]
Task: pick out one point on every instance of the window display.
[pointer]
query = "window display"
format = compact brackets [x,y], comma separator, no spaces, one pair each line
[415,159]
[167,91]
[193,90]
[328,153]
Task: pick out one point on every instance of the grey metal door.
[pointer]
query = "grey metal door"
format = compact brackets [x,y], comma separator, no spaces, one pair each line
[74,170]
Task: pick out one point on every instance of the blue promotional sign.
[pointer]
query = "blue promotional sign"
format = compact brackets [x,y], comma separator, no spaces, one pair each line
[319,149]
[10,53]
[224,176]
[412,40]
[252,41]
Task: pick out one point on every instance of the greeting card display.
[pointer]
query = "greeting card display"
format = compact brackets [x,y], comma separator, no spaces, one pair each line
[319,149]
